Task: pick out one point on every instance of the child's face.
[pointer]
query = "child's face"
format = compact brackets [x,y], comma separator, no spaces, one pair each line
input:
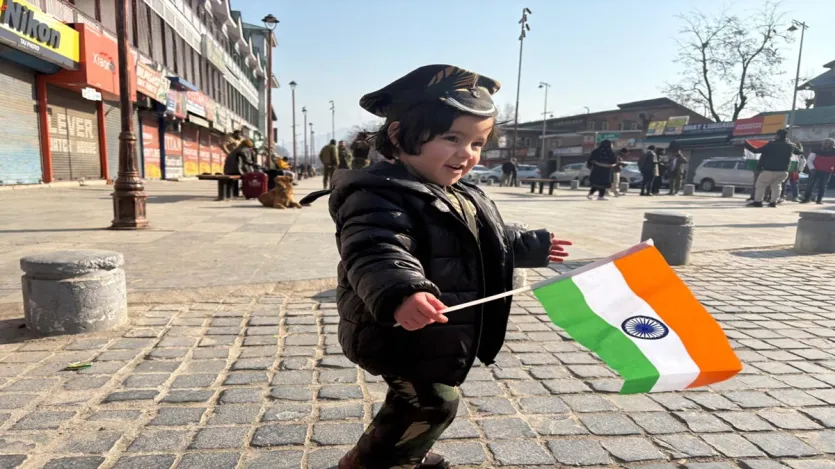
[445,159]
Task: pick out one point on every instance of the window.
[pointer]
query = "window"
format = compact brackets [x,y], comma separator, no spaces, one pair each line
[170,58]
[604,125]
[590,125]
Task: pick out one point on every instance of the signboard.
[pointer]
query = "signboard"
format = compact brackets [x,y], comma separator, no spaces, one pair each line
[191,151]
[150,149]
[773,123]
[196,103]
[814,133]
[492,154]
[25,27]
[760,125]
[205,152]
[612,136]
[712,128]
[152,83]
[72,132]
[176,104]
[210,109]
[90,94]
[675,125]
[218,156]
[173,154]
[656,128]
[569,151]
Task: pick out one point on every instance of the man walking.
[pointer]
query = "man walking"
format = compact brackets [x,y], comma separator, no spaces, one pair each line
[821,166]
[677,163]
[344,156]
[775,158]
[507,173]
[648,165]
[329,156]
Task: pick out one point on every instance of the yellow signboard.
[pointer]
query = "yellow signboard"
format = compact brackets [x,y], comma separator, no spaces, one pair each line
[656,128]
[773,123]
[25,27]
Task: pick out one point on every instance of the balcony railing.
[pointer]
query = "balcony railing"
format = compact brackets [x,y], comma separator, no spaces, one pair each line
[67,13]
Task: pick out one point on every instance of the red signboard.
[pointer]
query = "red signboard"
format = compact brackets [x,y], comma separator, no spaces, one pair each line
[150,149]
[173,154]
[191,151]
[752,126]
[217,154]
[205,152]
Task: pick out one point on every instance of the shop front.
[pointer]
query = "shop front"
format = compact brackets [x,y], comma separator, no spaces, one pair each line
[199,110]
[172,141]
[83,131]
[152,88]
[47,47]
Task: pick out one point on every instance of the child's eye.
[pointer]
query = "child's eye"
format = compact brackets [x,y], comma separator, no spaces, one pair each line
[478,144]
[451,138]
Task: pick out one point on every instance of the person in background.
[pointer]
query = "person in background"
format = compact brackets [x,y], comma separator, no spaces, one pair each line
[329,156]
[514,175]
[603,161]
[344,156]
[793,180]
[648,164]
[676,164]
[231,142]
[773,165]
[615,187]
[507,173]
[360,148]
[661,170]
[821,166]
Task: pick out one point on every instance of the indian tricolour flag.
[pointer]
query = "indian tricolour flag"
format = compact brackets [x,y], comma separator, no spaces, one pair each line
[634,312]
[752,159]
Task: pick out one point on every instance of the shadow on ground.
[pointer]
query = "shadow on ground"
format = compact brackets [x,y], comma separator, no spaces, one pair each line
[13,331]
[767,253]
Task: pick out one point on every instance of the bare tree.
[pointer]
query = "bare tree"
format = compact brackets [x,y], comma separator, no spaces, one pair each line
[506,114]
[730,63]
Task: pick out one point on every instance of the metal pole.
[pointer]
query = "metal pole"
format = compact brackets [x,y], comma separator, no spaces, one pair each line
[129,193]
[524,25]
[333,120]
[312,144]
[269,161]
[796,78]
[544,117]
[295,159]
[304,113]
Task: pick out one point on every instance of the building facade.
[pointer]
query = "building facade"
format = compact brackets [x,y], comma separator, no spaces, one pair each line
[195,73]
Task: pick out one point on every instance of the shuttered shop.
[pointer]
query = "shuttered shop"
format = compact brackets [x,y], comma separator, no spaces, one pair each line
[20,148]
[73,135]
[112,128]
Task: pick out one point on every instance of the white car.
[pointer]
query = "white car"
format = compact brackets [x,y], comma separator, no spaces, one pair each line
[572,172]
[477,173]
[523,171]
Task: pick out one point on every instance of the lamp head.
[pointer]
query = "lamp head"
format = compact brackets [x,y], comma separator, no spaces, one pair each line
[270,22]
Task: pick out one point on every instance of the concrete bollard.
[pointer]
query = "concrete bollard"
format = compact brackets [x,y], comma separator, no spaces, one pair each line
[689,189]
[623,187]
[489,182]
[575,184]
[815,233]
[520,276]
[71,292]
[728,191]
[672,233]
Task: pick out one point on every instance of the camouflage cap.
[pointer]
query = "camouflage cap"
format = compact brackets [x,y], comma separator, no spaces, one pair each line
[464,90]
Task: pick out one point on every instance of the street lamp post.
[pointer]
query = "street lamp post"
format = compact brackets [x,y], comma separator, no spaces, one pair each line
[304,112]
[295,159]
[542,84]
[333,120]
[524,25]
[128,191]
[270,22]
[312,145]
[794,27]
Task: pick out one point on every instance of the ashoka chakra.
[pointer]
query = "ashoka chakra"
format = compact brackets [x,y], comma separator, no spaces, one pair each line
[644,327]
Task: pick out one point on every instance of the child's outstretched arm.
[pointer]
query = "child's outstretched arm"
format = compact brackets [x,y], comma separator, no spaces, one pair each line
[378,249]
[535,248]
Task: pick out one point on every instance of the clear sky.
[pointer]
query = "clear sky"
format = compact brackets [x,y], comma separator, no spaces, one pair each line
[594,53]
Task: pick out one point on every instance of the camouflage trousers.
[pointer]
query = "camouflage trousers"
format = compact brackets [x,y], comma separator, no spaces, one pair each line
[410,421]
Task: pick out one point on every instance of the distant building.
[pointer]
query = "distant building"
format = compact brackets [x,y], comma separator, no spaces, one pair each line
[823,86]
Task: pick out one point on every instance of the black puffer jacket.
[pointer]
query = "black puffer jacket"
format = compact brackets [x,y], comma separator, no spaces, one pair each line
[398,236]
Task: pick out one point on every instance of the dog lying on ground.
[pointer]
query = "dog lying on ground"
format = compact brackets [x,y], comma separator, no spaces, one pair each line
[280,196]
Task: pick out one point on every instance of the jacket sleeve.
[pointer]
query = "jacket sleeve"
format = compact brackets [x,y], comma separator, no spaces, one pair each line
[530,248]
[378,248]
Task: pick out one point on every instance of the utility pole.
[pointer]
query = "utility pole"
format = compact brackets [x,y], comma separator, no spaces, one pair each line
[295,159]
[312,144]
[542,158]
[304,113]
[794,27]
[333,120]
[524,26]
[270,22]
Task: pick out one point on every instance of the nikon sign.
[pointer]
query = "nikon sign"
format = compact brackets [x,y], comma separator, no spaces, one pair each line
[25,27]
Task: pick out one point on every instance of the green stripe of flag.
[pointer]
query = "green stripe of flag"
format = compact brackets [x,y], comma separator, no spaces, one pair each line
[567,308]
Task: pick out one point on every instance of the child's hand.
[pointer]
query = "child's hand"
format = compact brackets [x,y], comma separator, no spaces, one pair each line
[558,253]
[420,310]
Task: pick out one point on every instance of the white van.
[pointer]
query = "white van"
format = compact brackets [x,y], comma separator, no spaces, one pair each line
[727,171]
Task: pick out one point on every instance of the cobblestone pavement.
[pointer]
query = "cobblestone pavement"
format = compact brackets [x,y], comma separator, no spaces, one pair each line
[260,382]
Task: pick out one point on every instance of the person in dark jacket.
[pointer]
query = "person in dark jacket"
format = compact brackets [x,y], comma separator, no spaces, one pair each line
[237,163]
[602,161]
[775,159]
[821,166]
[648,164]
[413,240]
[344,155]
[360,149]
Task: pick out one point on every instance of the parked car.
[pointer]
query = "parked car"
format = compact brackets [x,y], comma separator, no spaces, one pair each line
[572,172]
[523,171]
[476,173]
[631,174]
[729,171]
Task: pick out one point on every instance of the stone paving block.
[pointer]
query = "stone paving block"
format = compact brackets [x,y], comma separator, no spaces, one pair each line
[90,443]
[25,357]
[588,403]
[781,445]
[609,424]
[156,366]
[293,377]
[16,401]
[155,461]
[632,449]
[795,397]
[245,378]
[85,383]
[811,464]
[788,419]
[732,445]
[183,342]
[167,353]
[12,461]
[510,373]
[79,462]
[296,363]
[43,420]
[565,386]
[462,453]
[712,401]
[87,344]
[657,423]
[159,440]
[674,402]
[209,461]
[823,441]
[292,393]
[492,405]
[559,425]
[341,412]
[205,366]
[745,421]
[635,403]
[208,353]
[579,452]
[710,465]
[132,344]
[460,429]
[253,364]
[100,368]
[340,392]
[182,396]
[217,340]
[116,416]
[506,428]
[341,376]
[702,422]
[242,395]
[543,405]
[194,381]
[336,362]
[480,389]
[327,434]
[175,416]
[279,435]
[117,355]
[145,381]
[287,412]
[683,446]
[519,453]
[259,351]
[824,415]
[277,460]
[220,438]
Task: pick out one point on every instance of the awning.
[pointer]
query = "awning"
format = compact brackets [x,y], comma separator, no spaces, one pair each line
[199,121]
[703,141]
[182,84]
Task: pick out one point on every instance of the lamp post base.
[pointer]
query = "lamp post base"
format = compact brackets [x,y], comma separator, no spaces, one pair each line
[128,191]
